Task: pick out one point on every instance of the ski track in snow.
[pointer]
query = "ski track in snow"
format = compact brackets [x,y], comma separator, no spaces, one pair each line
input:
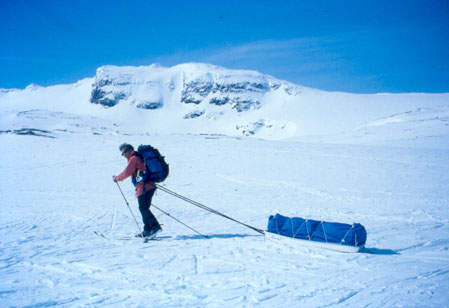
[53,201]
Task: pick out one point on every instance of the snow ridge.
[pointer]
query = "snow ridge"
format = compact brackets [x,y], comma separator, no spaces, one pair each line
[200,98]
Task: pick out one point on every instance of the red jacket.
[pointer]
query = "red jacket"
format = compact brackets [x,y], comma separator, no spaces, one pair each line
[134,164]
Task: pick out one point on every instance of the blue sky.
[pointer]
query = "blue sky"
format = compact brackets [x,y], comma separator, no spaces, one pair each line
[353,46]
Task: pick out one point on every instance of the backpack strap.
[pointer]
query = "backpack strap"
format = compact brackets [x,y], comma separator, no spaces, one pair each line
[134,179]
[138,155]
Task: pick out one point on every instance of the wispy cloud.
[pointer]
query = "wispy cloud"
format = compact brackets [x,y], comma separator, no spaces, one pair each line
[285,59]
[252,52]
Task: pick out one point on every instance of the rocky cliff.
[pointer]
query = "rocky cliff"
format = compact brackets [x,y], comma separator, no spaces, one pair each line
[152,87]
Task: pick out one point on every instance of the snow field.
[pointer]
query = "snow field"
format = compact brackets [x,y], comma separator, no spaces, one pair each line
[57,191]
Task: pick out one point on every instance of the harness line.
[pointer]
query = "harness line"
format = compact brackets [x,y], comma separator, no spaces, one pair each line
[202,206]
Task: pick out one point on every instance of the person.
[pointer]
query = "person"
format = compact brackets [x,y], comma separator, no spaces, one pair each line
[144,191]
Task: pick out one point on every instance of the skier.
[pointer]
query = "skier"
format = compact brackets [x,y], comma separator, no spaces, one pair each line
[144,191]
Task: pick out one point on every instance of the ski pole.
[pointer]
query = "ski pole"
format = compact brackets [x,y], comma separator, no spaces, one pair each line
[179,221]
[202,206]
[140,231]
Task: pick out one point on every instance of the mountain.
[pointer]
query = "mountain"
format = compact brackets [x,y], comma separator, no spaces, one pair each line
[192,91]
[201,98]
[150,87]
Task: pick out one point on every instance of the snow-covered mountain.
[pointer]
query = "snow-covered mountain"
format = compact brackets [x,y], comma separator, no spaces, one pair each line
[205,99]
[152,87]
[194,90]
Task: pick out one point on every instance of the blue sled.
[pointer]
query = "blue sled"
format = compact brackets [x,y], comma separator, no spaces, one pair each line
[320,234]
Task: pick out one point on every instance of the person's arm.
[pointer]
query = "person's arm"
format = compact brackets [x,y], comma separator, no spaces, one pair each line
[128,171]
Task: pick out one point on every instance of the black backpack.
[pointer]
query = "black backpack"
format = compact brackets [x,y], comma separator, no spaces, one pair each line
[156,169]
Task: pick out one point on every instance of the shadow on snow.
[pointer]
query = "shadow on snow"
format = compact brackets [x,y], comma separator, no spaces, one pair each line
[378,251]
[211,236]
[374,251]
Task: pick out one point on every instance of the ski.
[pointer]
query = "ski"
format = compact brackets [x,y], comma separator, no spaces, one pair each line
[101,235]
[131,238]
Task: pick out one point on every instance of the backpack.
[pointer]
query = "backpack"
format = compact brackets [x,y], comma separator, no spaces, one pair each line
[156,169]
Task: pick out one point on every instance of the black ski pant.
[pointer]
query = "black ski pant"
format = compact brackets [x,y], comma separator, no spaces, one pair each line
[148,218]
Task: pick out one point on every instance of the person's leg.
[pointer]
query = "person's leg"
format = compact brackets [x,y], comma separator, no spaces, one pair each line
[144,207]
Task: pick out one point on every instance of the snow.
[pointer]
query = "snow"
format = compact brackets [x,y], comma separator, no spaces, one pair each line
[379,160]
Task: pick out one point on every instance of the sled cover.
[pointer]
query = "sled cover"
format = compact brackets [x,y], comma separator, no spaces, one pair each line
[320,231]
